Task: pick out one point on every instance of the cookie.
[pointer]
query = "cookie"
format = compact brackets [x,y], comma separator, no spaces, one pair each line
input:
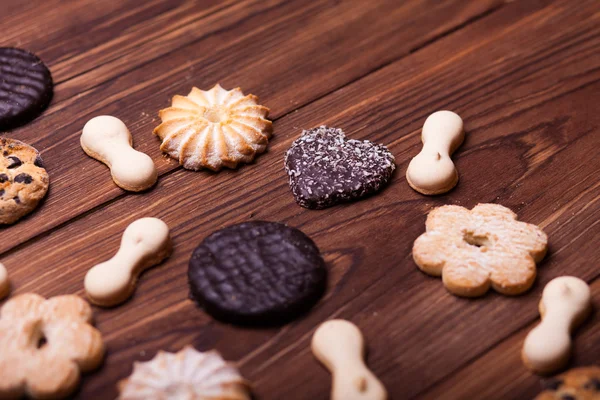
[188,374]
[214,129]
[108,140]
[26,87]
[340,346]
[475,249]
[23,180]
[326,169]
[45,344]
[565,304]
[145,243]
[4,282]
[432,170]
[577,384]
[257,273]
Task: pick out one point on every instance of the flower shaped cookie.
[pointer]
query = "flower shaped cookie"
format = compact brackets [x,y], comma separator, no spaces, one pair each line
[44,344]
[475,249]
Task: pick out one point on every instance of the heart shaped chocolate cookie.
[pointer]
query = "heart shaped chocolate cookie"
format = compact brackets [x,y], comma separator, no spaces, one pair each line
[325,169]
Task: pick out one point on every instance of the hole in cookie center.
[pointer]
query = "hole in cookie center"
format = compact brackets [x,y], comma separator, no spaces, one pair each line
[476,240]
[42,341]
[216,115]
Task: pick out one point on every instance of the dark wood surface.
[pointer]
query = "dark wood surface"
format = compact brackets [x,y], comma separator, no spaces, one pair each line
[524,75]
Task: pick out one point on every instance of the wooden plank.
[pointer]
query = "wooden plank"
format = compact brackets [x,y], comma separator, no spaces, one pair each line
[499,374]
[81,36]
[529,120]
[254,54]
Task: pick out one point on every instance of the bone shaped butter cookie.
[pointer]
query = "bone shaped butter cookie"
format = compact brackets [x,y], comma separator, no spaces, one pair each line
[145,243]
[432,170]
[108,140]
[4,283]
[339,345]
[566,303]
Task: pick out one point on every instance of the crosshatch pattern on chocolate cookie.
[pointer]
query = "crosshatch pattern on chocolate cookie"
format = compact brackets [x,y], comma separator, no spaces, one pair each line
[325,168]
[23,180]
[257,273]
[26,87]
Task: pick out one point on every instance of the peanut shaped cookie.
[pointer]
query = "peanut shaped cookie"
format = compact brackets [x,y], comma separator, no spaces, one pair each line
[45,344]
[432,170]
[475,249]
[565,304]
[108,140]
[340,346]
[145,243]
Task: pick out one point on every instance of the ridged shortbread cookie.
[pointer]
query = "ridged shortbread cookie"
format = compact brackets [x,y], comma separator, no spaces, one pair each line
[45,344]
[188,374]
[475,249]
[214,129]
[23,180]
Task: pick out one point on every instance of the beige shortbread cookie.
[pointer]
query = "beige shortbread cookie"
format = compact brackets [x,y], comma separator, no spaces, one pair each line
[145,243]
[576,384]
[188,374]
[45,344]
[340,346]
[475,249]
[108,140]
[23,180]
[4,282]
[566,302]
[432,170]
[214,129]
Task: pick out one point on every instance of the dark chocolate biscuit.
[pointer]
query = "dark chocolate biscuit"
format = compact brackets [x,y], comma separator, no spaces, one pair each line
[257,273]
[25,87]
[23,180]
[576,384]
[326,169]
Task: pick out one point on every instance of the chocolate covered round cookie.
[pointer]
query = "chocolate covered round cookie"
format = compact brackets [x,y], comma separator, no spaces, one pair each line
[257,273]
[23,180]
[26,87]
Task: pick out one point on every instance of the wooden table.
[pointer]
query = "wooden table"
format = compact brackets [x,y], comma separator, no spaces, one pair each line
[524,75]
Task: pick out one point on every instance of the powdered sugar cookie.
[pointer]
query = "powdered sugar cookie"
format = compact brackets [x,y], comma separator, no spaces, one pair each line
[44,344]
[475,249]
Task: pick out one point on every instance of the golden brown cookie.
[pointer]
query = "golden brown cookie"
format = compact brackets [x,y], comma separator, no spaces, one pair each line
[44,344]
[23,180]
[576,384]
[188,374]
[214,129]
[475,249]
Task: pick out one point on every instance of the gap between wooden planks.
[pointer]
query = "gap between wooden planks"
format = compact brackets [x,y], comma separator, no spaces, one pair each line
[137,96]
[532,100]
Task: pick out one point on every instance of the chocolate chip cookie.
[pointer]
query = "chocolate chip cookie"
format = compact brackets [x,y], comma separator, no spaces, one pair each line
[257,273]
[23,180]
[576,384]
[26,87]
[325,168]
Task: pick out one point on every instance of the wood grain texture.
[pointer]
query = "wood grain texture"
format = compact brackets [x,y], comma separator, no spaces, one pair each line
[525,77]
[253,53]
